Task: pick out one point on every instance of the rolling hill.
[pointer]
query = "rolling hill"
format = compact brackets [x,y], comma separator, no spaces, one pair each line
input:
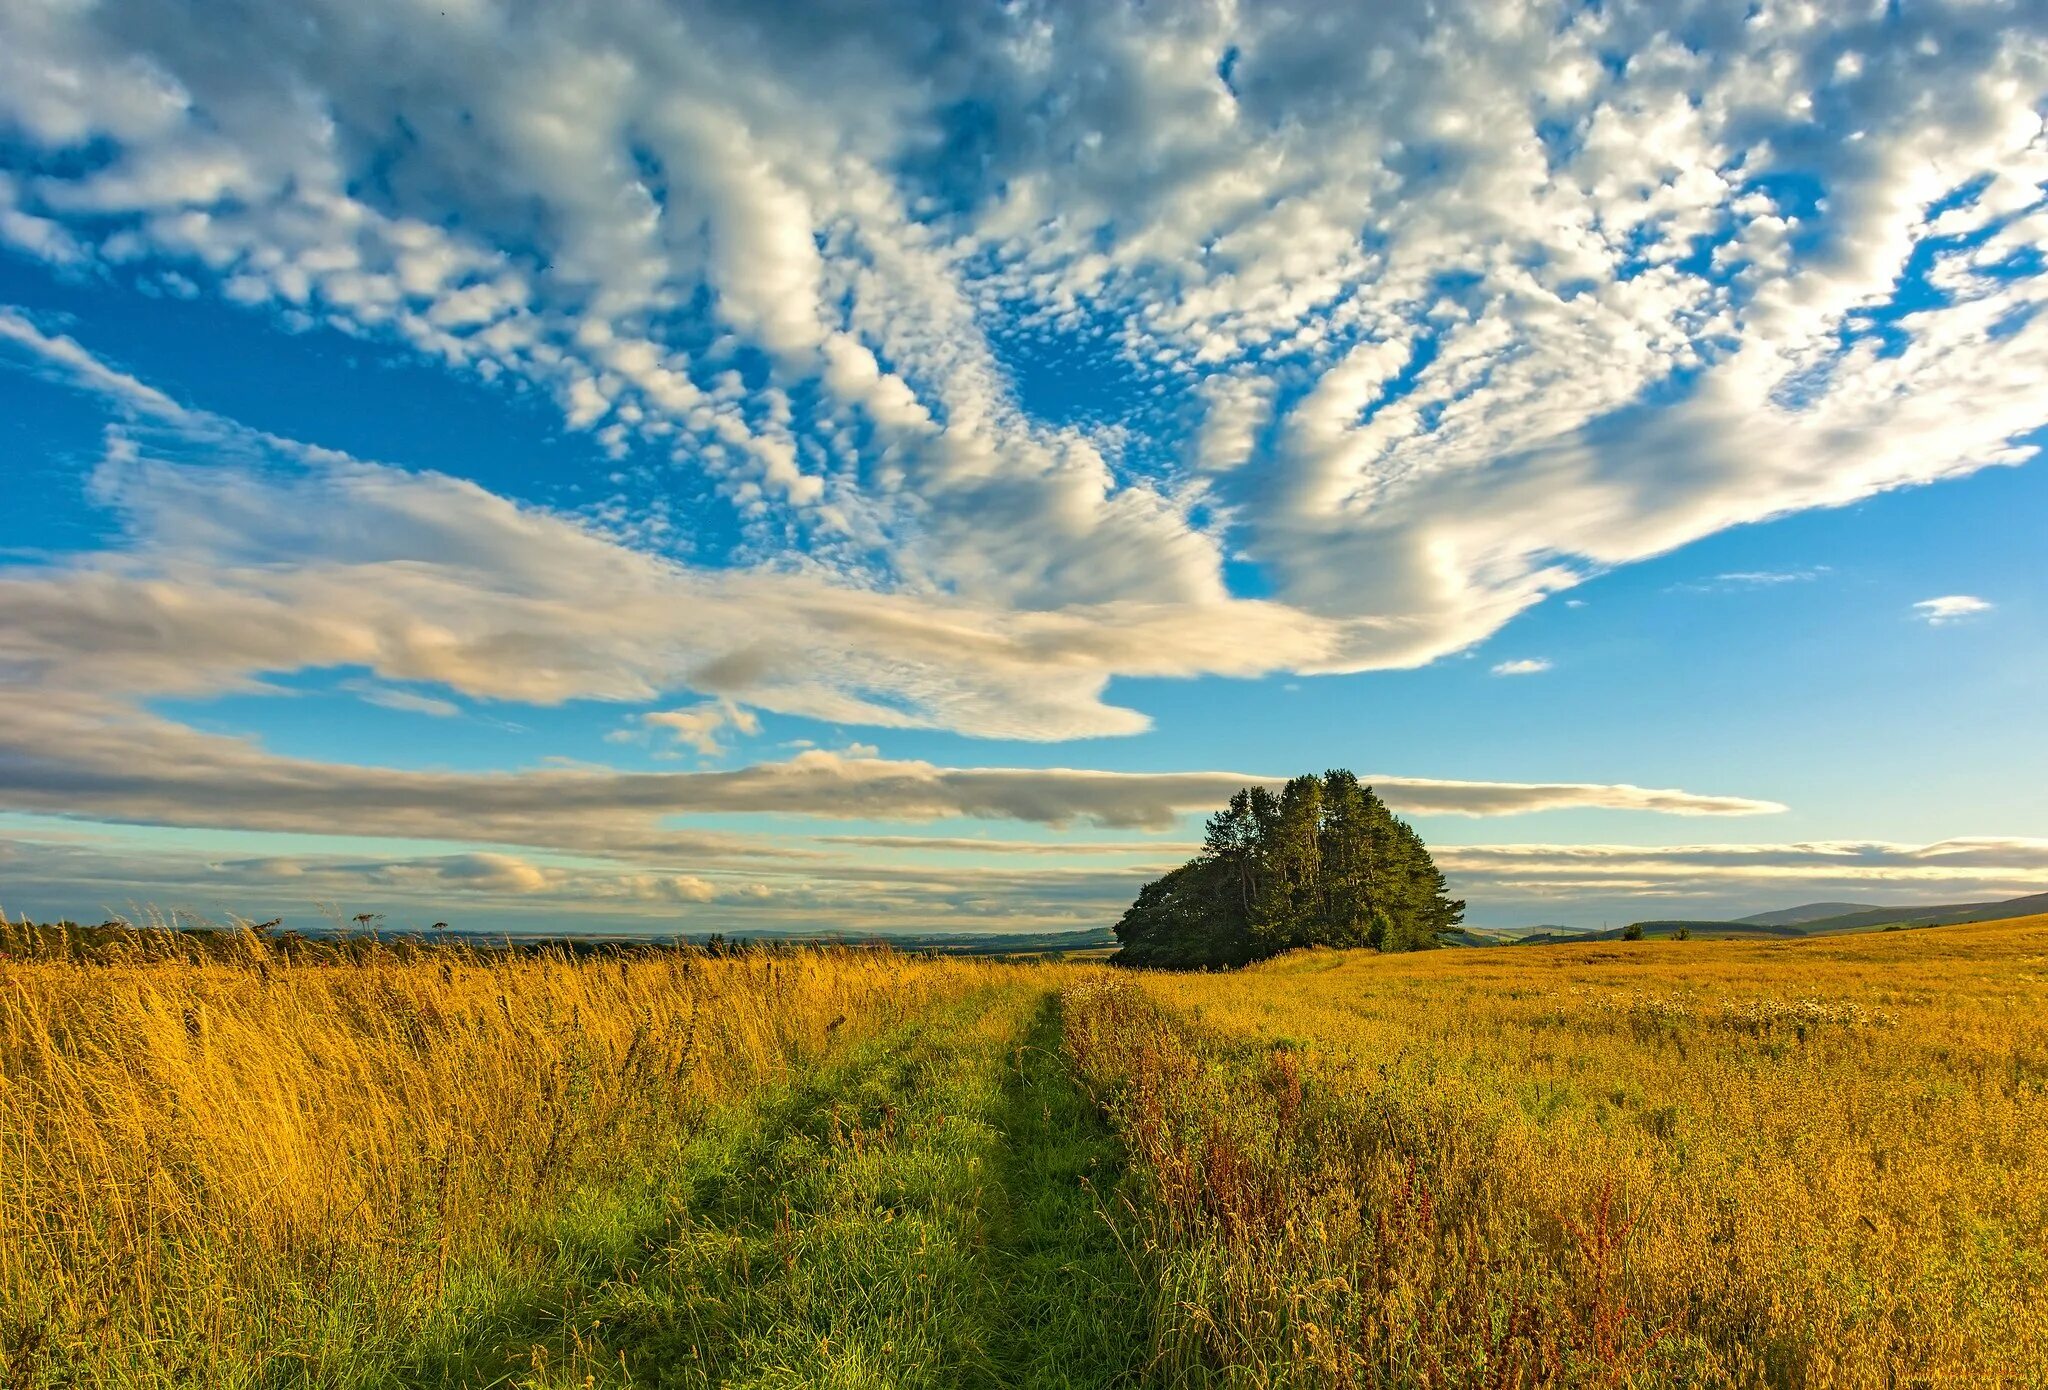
[1813,919]
[1931,916]
[1806,912]
[1715,928]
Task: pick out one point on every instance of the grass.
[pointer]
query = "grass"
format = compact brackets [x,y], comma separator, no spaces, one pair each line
[260,1172]
[1818,1163]
[920,1214]
[1812,1163]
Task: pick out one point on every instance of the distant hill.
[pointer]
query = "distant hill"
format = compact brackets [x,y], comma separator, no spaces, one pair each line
[1671,926]
[1794,922]
[1807,912]
[1550,936]
[1480,936]
[1931,916]
[1516,936]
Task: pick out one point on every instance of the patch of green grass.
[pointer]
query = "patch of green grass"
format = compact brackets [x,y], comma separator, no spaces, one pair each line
[924,1212]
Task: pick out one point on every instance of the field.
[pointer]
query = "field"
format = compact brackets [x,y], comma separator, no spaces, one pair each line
[1703,1163]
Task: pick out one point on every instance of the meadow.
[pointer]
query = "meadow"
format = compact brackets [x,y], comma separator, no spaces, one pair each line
[1725,1163]
[1815,1163]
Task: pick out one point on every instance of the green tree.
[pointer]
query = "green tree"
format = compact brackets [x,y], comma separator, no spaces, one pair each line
[1235,839]
[1324,863]
[1347,859]
[1191,918]
[1287,911]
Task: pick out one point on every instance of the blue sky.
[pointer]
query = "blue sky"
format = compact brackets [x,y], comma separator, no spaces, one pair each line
[706,467]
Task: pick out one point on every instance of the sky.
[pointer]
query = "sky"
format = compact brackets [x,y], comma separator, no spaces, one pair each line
[755,467]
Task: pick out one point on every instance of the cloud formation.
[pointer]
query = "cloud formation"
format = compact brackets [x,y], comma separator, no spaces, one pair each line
[1395,320]
[1772,874]
[270,558]
[703,727]
[83,756]
[1015,887]
[1507,295]
[1950,608]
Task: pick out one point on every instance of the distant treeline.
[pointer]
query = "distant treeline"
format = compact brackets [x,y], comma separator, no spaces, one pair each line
[354,940]
[1324,863]
[117,941]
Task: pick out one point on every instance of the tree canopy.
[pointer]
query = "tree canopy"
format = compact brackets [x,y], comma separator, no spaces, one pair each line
[1324,863]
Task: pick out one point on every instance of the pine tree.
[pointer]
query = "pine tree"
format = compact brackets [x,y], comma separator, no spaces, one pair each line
[1347,908]
[1325,863]
[1286,913]
[1446,913]
[1382,872]
[1235,839]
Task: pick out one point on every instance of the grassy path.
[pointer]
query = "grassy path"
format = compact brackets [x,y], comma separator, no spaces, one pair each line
[921,1213]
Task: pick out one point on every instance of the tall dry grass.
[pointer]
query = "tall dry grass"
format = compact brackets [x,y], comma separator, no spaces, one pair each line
[1820,1163]
[212,1166]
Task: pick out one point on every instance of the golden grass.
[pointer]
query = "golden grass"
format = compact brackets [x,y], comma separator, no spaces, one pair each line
[1734,1163]
[1819,1163]
[201,1159]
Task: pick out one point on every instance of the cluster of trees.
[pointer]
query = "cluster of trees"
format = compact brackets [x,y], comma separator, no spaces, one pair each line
[1324,863]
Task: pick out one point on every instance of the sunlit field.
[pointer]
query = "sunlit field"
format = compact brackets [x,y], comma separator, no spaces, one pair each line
[1822,1163]
[1814,1163]
[260,1171]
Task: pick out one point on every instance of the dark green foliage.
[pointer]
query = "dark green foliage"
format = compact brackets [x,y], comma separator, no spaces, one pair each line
[1193,917]
[1632,932]
[1324,863]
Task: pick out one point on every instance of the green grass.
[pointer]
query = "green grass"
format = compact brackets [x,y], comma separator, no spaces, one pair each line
[926,1211]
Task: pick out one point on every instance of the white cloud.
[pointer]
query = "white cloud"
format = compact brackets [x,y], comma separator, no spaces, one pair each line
[1235,409]
[491,891]
[57,353]
[1427,796]
[1441,309]
[270,556]
[1982,866]
[90,756]
[1015,886]
[1501,297]
[703,727]
[409,701]
[482,872]
[1740,580]
[280,559]
[1950,608]
[1172,851]
[1757,579]
[1522,666]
